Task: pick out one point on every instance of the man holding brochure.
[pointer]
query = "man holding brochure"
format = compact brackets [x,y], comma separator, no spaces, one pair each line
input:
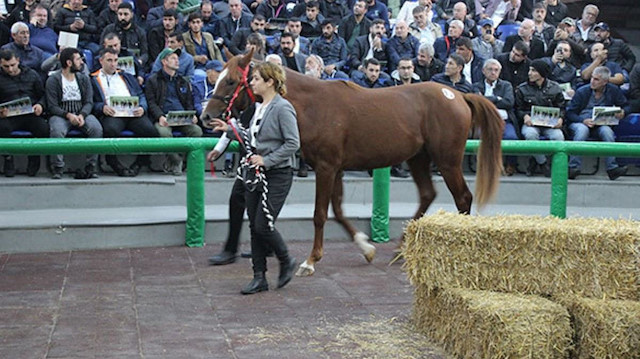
[169,97]
[582,122]
[110,87]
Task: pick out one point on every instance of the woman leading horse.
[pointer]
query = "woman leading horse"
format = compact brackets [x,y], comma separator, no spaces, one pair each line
[343,126]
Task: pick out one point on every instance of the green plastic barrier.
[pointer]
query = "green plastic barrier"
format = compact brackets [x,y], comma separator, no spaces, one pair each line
[380,213]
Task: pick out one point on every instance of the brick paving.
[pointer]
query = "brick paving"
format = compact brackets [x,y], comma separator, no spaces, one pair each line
[169,303]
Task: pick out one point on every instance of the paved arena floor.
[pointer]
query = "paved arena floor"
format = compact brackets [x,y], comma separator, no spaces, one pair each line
[169,303]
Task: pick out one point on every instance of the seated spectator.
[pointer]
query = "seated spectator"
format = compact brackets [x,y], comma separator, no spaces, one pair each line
[600,57]
[499,11]
[330,47]
[425,64]
[314,67]
[112,40]
[402,44]
[372,45]
[378,10]
[563,33]
[515,64]
[371,76]
[203,88]
[30,56]
[444,9]
[617,50]
[500,93]
[460,13]
[585,27]
[239,41]
[445,46]
[562,71]
[108,15]
[40,34]
[405,74]
[235,20]
[556,11]
[525,34]
[406,11]
[541,30]
[487,45]
[290,59]
[634,89]
[256,42]
[165,92]
[422,28]
[539,91]
[132,37]
[186,67]
[18,81]
[355,25]
[155,15]
[158,37]
[274,59]
[209,19]
[579,113]
[472,62]
[271,9]
[20,12]
[53,64]
[312,20]
[107,83]
[302,45]
[70,102]
[79,19]
[335,10]
[452,75]
[200,44]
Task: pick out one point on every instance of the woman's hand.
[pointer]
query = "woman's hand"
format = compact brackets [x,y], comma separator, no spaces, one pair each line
[257,160]
[218,125]
[212,155]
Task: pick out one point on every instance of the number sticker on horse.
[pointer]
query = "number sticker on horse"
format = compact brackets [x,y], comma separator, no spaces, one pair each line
[448,94]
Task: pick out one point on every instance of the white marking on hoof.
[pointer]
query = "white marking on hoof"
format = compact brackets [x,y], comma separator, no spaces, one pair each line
[305,270]
[368,250]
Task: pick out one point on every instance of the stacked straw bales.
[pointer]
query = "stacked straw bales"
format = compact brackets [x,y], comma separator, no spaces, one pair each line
[590,267]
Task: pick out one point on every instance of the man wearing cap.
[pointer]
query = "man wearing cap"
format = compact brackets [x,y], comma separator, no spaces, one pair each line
[108,82]
[563,33]
[187,66]
[618,50]
[167,91]
[539,91]
[599,92]
[487,45]
[203,88]
[556,11]
[600,57]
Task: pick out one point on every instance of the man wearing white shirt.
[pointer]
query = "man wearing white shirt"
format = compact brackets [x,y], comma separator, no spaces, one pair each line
[406,11]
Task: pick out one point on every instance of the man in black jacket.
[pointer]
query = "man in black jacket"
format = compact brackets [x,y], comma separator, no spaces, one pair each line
[236,20]
[525,33]
[132,36]
[168,92]
[618,50]
[79,19]
[372,45]
[158,36]
[515,64]
[17,81]
[356,24]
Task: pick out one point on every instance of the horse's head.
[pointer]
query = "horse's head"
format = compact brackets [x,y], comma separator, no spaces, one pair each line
[232,93]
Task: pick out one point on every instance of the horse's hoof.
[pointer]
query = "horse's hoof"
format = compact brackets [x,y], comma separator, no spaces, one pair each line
[368,249]
[305,270]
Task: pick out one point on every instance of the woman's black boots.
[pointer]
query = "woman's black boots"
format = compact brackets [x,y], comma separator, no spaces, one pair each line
[257,284]
[286,271]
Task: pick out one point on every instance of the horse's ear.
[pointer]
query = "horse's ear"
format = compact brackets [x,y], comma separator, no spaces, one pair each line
[227,53]
[246,59]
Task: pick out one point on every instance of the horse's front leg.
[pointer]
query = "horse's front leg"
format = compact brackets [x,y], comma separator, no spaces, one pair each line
[324,188]
[361,239]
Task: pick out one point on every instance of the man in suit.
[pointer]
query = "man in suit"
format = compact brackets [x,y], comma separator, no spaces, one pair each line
[289,58]
[500,93]
[237,19]
[525,33]
[368,46]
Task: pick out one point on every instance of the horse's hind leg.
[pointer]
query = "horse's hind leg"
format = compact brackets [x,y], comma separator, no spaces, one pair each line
[361,239]
[324,187]
[420,166]
[452,175]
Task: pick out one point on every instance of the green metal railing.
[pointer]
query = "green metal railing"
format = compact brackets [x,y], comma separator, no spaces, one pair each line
[196,147]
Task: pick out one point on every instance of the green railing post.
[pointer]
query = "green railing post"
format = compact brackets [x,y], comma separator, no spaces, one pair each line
[195,199]
[559,184]
[380,212]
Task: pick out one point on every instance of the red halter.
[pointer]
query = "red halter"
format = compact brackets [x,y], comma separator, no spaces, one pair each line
[244,84]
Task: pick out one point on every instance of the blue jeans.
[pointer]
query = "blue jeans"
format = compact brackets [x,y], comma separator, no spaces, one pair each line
[581,133]
[510,134]
[533,133]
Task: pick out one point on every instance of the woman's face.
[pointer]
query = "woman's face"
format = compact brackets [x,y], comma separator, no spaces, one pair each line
[259,85]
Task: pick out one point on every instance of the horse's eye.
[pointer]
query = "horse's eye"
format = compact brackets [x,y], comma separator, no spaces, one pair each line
[230,82]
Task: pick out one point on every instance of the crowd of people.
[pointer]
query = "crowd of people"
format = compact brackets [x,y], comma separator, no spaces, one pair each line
[166,55]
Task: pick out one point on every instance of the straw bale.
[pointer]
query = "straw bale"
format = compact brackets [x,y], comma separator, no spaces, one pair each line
[596,258]
[604,328]
[485,324]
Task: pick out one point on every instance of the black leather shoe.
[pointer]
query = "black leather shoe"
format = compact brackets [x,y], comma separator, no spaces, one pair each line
[9,167]
[617,172]
[222,258]
[399,172]
[531,168]
[33,165]
[573,173]
[257,284]
[286,271]
[303,171]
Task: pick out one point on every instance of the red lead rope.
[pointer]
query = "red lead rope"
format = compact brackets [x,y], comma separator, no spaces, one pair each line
[243,85]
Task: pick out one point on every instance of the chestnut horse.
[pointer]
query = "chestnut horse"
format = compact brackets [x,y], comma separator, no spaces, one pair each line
[343,126]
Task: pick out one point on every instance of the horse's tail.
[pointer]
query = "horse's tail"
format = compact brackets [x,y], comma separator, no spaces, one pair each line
[485,115]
